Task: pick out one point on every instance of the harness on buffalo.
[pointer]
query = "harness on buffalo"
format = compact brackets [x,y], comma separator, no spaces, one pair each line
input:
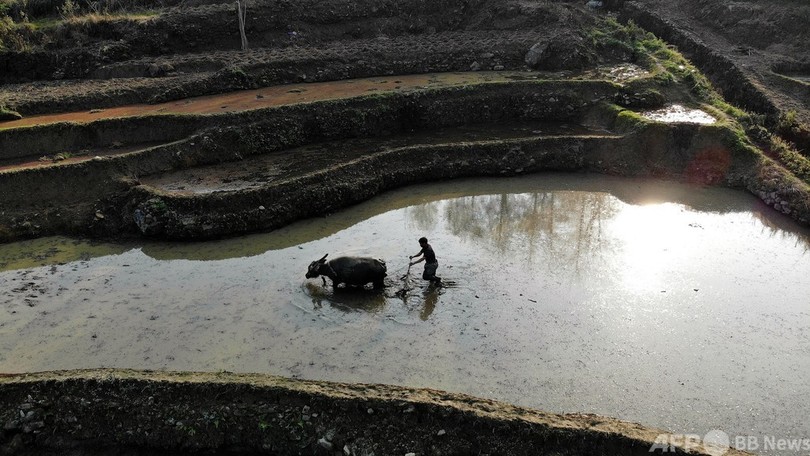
[327,270]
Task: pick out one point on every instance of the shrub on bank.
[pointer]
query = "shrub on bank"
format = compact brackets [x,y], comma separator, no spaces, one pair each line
[31,10]
[14,36]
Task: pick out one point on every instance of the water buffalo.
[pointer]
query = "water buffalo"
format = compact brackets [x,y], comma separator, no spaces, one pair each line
[353,271]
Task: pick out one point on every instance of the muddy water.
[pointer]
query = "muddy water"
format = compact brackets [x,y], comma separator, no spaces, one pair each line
[676,113]
[680,307]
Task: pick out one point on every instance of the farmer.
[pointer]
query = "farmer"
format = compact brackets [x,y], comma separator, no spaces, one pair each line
[429,257]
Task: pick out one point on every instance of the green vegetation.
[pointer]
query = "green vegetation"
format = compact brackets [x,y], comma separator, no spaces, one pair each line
[30,10]
[670,67]
[13,36]
[791,159]
[68,10]
[612,35]
[190,430]
[670,70]
[8,114]
[788,124]
[156,206]
[26,24]
[628,120]
[63,156]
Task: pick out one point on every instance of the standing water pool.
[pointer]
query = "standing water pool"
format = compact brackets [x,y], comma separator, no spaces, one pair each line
[680,307]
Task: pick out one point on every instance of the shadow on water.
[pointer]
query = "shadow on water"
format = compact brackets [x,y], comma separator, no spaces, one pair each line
[346,299]
[422,299]
[414,293]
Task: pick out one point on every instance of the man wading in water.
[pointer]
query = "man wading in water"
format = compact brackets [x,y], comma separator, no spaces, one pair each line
[430,261]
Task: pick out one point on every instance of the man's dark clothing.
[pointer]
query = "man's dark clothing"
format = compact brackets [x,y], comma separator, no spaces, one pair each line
[430,264]
[430,256]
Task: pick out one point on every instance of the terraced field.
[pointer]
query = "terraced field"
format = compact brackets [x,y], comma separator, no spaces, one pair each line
[150,119]
[104,119]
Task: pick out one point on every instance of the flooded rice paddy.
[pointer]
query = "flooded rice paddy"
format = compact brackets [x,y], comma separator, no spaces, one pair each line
[681,307]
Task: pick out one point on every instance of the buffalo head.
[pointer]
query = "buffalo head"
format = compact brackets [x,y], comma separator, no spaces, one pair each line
[315,267]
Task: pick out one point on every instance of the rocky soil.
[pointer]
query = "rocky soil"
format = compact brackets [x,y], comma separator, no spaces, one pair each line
[135,412]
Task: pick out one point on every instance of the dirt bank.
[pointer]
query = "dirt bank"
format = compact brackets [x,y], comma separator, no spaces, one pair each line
[142,412]
[102,196]
[755,54]
[85,167]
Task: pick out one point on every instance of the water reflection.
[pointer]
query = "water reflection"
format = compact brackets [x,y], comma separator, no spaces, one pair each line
[550,209]
[408,291]
[424,216]
[565,226]
[54,250]
[656,302]
[676,113]
[429,299]
[345,299]
[418,298]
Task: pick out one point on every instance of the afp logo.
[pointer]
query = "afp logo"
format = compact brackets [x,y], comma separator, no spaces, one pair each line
[714,443]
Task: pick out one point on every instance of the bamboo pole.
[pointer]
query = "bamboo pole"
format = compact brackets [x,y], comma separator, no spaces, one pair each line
[241,11]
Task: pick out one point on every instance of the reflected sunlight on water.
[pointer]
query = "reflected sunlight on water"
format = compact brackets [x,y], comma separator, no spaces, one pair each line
[648,232]
[655,302]
[679,114]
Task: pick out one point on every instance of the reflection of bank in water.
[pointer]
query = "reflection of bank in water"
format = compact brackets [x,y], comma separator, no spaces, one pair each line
[564,197]
[555,199]
[580,227]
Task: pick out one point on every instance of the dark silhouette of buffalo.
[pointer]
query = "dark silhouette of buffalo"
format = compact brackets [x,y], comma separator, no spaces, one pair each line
[353,271]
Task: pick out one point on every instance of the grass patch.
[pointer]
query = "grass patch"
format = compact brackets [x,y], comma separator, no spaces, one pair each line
[29,24]
[671,69]
[611,35]
[624,120]
[8,114]
[788,125]
[674,74]
[36,10]
[791,159]
[15,36]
